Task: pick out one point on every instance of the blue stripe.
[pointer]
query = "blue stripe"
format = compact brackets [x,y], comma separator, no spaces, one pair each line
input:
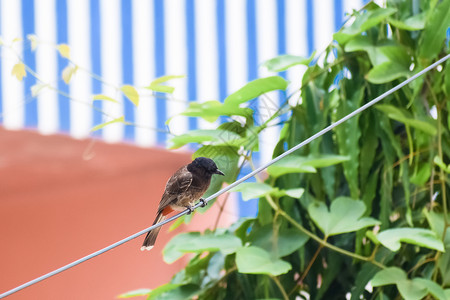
[29,60]
[127,65]
[281,32]
[61,37]
[96,48]
[310,26]
[338,14]
[191,57]
[159,68]
[221,48]
[249,208]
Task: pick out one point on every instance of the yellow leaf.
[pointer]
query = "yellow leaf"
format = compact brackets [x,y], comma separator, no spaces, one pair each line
[104,97]
[131,93]
[34,41]
[19,71]
[15,40]
[68,72]
[100,126]
[64,50]
[35,89]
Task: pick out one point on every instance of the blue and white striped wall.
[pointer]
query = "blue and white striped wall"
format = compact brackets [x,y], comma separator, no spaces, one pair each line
[218,44]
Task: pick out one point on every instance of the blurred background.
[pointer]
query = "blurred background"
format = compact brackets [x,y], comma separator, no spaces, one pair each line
[65,190]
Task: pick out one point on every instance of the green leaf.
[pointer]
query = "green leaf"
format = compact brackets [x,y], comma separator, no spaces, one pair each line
[118,120]
[387,72]
[284,62]
[157,86]
[285,242]
[391,238]
[416,22]
[255,89]
[220,137]
[403,117]
[135,293]
[194,242]
[432,38]
[416,288]
[345,215]
[131,93]
[104,97]
[303,164]
[294,193]
[438,161]
[390,275]
[254,260]
[211,110]
[437,224]
[252,190]
[362,23]
[18,70]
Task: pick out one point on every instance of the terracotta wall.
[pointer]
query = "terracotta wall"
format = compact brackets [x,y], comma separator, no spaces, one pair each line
[61,199]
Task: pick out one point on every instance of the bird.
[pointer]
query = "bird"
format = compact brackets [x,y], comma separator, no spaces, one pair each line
[186,185]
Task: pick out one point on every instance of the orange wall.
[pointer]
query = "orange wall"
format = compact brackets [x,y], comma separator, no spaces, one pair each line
[56,207]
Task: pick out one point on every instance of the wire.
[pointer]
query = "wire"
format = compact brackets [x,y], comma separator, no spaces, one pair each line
[229,187]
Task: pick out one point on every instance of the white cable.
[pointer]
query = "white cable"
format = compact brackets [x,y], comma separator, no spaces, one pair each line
[237,182]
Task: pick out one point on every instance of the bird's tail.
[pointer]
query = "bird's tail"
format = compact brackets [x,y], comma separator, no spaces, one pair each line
[150,239]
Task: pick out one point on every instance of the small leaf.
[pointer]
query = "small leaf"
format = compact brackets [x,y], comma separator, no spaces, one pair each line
[438,161]
[212,110]
[135,293]
[284,62]
[197,243]
[118,120]
[19,71]
[416,22]
[285,242]
[294,193]
[104,97]
[64,50]
[434,34]
[387,276]
[255,89]
[34,41]
[252,190]
[156,85]
[412,290]
[35,89]
[391,238]
[219,137]
[68,73]
[387,72]
[345,215]
[254,260]
[131,93]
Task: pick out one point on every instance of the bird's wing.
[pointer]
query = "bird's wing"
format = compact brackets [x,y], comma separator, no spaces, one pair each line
[177,184]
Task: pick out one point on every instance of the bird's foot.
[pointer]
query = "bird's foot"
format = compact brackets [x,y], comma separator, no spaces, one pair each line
[190,209]
[204,203]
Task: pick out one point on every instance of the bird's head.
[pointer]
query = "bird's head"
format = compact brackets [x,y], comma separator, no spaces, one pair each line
[207,165]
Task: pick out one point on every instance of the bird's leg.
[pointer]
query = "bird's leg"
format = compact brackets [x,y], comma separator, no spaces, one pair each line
[204,203]
[190,209]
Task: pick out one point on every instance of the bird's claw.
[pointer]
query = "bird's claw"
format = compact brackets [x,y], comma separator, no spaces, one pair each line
[204,203]
[190,209]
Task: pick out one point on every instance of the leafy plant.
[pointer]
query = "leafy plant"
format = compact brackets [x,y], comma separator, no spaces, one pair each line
[365,203]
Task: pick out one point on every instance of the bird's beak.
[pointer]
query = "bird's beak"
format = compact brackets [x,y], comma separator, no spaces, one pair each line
[219,172]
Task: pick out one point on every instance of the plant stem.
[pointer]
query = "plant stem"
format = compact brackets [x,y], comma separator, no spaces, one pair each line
[280,286]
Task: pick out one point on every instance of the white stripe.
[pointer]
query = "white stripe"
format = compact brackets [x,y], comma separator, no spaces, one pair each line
[176,62]
[111,62]
[236,44]
[323,23]
[296,41]
[46,65]
[266,20]
[80,85]
[12,89]
[207,55]
[144,70]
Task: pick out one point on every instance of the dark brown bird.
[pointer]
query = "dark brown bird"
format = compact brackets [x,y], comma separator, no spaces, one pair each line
[187,185]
